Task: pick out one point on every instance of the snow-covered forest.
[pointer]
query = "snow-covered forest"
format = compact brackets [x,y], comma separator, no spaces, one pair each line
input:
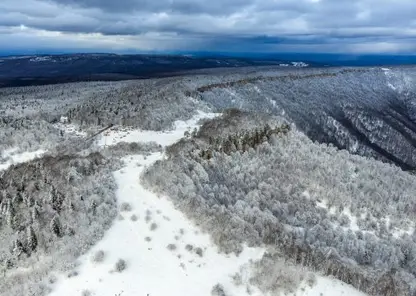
[312,166]
[337,213]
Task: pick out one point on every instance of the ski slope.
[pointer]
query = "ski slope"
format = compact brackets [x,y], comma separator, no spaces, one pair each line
[155,240]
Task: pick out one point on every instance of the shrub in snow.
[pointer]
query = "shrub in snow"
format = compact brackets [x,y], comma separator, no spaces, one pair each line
[199,251]
[73,273]
[171,247]
[52,279]
[153,226]
[189,247]
[120,265]
[218,290]
[148,216]
[98,256]
[134,218]
[86,293]
[125,207]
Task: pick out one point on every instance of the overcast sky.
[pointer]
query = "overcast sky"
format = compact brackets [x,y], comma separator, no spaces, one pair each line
[328,26]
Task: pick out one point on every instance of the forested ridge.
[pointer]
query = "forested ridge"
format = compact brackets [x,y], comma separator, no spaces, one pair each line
[326,209]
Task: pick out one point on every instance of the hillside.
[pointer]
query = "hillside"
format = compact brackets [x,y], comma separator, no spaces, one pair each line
[296,179]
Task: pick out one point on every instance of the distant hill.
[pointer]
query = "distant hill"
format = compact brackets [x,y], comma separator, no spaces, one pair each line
[50,69]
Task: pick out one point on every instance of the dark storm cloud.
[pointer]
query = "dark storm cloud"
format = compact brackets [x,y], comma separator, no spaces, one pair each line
[181,6]
[269,24]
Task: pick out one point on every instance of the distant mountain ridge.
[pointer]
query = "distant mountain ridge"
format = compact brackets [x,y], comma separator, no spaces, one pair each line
[49,69]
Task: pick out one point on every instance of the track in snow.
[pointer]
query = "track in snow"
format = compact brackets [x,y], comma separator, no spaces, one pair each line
[152,269]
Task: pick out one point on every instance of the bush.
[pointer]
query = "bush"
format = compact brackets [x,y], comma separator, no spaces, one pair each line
[120,265]
[125,207]
[98,256]
[171,247]
[218,290]
[199,252]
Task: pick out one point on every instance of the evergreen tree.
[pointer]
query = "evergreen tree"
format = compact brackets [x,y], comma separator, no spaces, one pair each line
[17,248]
[32,241]
[55,226]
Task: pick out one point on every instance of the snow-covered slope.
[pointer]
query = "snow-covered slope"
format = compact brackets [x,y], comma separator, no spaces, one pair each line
[13,156]
[326,286]
[154,248]
[165,253]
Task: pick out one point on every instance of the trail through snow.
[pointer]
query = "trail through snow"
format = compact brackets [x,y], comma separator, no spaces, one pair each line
[166,254]
[152,268]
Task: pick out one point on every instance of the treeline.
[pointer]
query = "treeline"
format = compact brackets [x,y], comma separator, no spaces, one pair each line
[243,141]
[282,78]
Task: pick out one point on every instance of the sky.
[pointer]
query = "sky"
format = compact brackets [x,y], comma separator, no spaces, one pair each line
[270,26]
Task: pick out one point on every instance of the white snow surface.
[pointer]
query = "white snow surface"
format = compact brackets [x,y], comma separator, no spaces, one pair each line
[152,269]
[327,286]
[13,156]
[117,135]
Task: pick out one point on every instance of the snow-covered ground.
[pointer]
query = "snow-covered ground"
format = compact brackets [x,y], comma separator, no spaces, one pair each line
[165,253]
[116,135]
[326,286]
[153,269]
[13,156]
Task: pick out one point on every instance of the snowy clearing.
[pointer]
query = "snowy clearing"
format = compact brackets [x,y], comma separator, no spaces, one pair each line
[14,157]
[117,135]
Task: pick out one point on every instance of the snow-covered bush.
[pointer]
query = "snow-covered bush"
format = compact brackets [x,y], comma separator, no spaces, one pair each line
[120,265]
[218,290]
[98,256]
[125,207]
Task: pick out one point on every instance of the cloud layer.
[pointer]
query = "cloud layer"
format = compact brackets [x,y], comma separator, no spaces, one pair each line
[357,26]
